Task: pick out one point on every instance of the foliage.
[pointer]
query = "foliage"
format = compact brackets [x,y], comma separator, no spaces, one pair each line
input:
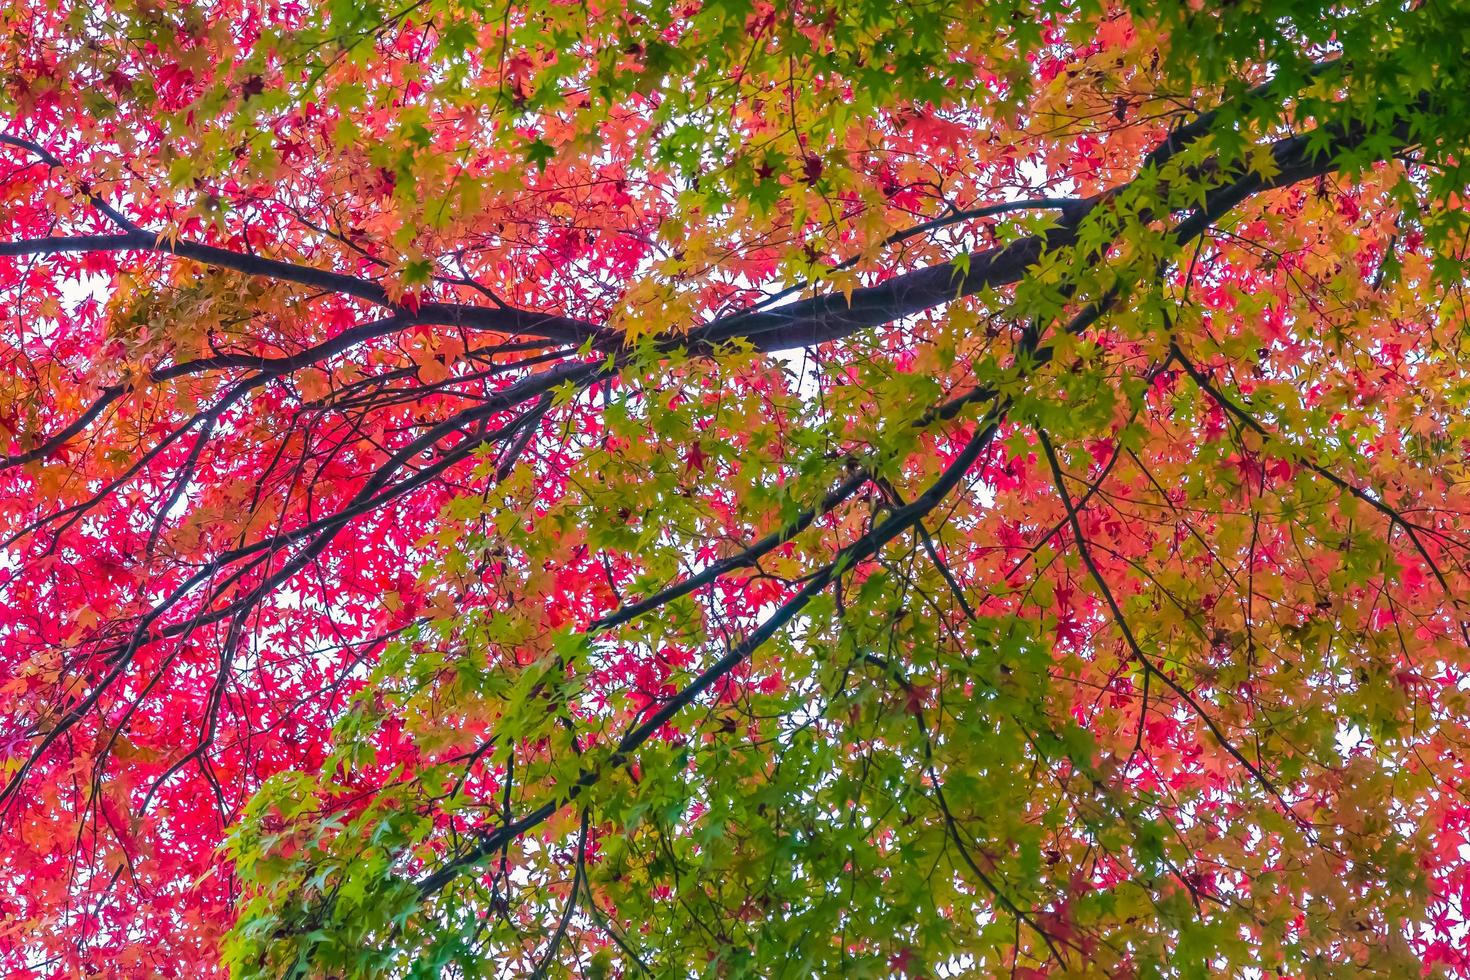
[737,489]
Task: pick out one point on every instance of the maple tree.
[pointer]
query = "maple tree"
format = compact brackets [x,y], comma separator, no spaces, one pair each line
[727,488]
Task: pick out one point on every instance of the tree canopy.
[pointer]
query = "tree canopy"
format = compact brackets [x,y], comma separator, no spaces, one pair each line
[728,488]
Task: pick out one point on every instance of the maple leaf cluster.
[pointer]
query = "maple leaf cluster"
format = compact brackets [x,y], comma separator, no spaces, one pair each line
[835,489]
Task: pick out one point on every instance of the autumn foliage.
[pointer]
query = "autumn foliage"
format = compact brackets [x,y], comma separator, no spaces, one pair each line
[728,488]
